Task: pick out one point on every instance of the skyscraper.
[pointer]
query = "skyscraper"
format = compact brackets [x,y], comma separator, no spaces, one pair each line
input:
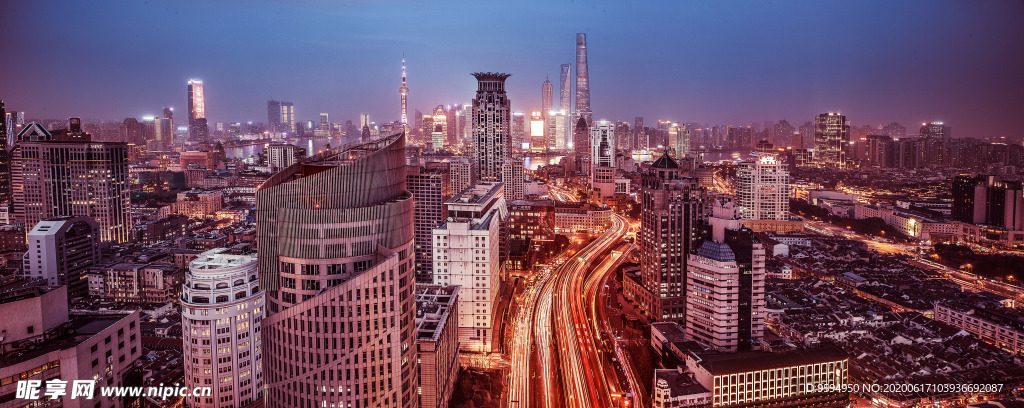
[404,92]
[639,135]
[518,131]
[602,162]
[335,251]
[222,306]
[582,80]
[565,91]
[672,213]
[762,188]
[325,122]
[131,131]
[46,185]
[934,139]
[581,139]
[546,101]
[197,127]
[831,139]
[725,286]
[281,116]
[492,141]
[430,187]
[5,158]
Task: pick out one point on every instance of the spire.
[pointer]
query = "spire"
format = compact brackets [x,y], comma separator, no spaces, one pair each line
[404,92]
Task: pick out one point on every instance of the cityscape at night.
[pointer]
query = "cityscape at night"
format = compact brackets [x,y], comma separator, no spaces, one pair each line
[535,204]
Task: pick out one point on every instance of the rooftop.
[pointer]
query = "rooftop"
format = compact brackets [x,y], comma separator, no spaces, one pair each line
[78,330]
[679,383]
[433,303]
[733,363]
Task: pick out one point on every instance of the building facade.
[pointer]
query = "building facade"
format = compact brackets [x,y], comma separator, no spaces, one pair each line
[437,343]
[198,129]
[672,208]
[41,343]
[281,116]
[64,250]
[74,176]
[335,252]
[222,306]
[467,253]
[831,139]
[582,81]
[430,188]
[492,116]
[602,159]
[762,188]
[725,306]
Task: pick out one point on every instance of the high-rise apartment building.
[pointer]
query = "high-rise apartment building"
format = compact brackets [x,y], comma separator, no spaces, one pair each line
[725,304]
[762,188]
[514,177]
[94,183]
[492,141]
[281,155]
[64,249]
[831,139]
[672,211]
[281,116]
[335,252]
[463,172]
[467,253]
[430,186]
[881,151]
[582,81]
[197,126]
[222,306]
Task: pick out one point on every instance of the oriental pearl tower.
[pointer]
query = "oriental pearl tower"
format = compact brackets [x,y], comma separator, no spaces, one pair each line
[404,91]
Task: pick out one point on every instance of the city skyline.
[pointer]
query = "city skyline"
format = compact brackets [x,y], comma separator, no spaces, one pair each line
[878,63]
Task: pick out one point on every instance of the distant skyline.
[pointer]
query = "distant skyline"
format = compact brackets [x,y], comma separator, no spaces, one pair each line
[735,62]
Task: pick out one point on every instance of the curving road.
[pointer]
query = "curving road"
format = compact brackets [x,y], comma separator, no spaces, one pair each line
[581,368]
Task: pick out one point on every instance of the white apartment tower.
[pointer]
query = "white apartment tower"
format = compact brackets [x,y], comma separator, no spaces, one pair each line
[280,156]
[61,250]
[725,303]
[222,306]
[762,189]
[467,253]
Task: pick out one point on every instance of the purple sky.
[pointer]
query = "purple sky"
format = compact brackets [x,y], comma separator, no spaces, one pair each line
[732,62]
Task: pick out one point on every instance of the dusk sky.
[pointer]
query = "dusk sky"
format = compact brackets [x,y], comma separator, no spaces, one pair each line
[720,63]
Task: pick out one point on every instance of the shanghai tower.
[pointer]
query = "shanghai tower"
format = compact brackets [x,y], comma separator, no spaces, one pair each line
[582,80]
[335,235]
